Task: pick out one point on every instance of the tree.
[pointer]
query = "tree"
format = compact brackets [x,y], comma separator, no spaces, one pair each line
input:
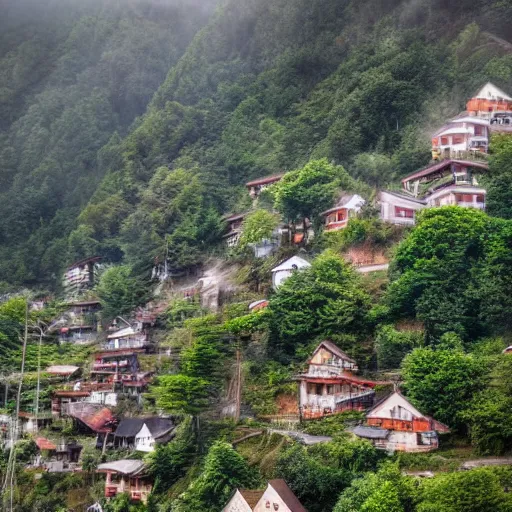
[119,291]
[257,226]
[478,490]
[393,345]
[181,394]
[375,169]
[224,470]
[441,383]
[499,187]
[305,193]
[384,491]
[323,300]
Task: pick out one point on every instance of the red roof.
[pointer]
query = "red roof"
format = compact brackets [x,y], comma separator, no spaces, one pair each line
[97,418]
[94,259]
[71,394]
[44,444]
[265,180]
[442,165]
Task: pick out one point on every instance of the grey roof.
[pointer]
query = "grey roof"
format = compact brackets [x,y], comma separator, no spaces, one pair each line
[128,427]
[159,427]
[371,432]
[331,347]
[405,196]
[124,466]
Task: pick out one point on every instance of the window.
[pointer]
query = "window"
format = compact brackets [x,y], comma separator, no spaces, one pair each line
[457,139]
[444,141]
[330,389]
[480,198]
[341,215]
[479,130]
[406,213]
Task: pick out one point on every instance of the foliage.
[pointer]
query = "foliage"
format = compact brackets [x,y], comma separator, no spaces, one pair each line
[478,490]
[257,226]
[384,491]
[393,345]
[224,470]
[451,272]
[120,291]
[169,462]
[331,425]
[499,181]
[442,382]
[306,192]
[322,300]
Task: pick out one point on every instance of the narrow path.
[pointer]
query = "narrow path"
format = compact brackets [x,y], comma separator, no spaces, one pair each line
[303,438]
[479,463]
[365,269]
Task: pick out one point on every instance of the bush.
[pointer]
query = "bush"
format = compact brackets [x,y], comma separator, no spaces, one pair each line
[393,345]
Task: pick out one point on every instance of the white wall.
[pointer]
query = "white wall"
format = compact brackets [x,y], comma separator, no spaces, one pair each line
[237,504]
[144,441]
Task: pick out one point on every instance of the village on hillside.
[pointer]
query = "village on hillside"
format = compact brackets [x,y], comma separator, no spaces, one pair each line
[103,403]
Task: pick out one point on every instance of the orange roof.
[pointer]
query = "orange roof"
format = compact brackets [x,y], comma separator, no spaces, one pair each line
[44,444]
[251,497]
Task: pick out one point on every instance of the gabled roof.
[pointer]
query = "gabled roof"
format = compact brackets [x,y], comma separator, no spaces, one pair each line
[94,259]
[124,466]
[94,416]
[490,92]
[347,201]
[265,180]
[159,427]
[44,444]
[331,347]
[286,494]
[442,165]
[293,263]
[251,497]
[64,370]
[232,217]
[400,400]
[129,427]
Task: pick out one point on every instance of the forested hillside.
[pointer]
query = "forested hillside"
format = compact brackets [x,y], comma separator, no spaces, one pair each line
[264,87]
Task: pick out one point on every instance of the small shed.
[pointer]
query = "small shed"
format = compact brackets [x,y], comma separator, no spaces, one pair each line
[283,271]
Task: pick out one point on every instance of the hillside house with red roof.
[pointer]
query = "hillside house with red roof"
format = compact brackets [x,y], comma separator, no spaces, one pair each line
[330,385]
[394,424]
[256,187]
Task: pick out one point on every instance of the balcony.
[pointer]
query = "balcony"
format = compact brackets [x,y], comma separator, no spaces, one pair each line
[125,343]
[466,204]
[334,226]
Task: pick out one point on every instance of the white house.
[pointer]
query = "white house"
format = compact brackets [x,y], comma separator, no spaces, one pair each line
[395,424]
[398,208]
[347,206]
[276,497]
[283,271]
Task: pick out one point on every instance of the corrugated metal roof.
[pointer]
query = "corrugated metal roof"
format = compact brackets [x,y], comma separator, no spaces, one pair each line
[44,444]
[123,466]
[62,369]
[371,432]
[264,180]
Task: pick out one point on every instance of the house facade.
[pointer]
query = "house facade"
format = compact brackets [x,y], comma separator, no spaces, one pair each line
[283,271]
[233,229]
[126,476]
[487,100]
[463,137]
[337,217]
[396,425]
[276,497]
[330,385]
[124,339]
[398,208]
[143,434]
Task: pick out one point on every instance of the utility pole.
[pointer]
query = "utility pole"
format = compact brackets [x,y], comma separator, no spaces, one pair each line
[38,388]
[238,390]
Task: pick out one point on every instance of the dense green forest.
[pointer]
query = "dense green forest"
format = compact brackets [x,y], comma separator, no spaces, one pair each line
[249,89]
[128,128]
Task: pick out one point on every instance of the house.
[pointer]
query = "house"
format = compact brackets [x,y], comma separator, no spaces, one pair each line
[347,206]
[276,497]
[80,275]
[330,386]
[61,398]
[399,208]
[79,324]
[114,364]
[233,228]
[463,137]
[57,457]
[91,418]
[283,271]
[154,431]
[32,423]
[142,434]
[126,338]
[256,187]
[126,476]
[449,182]
[508,350]
[395,424]
[64,371]
[257,305]
[487,100]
